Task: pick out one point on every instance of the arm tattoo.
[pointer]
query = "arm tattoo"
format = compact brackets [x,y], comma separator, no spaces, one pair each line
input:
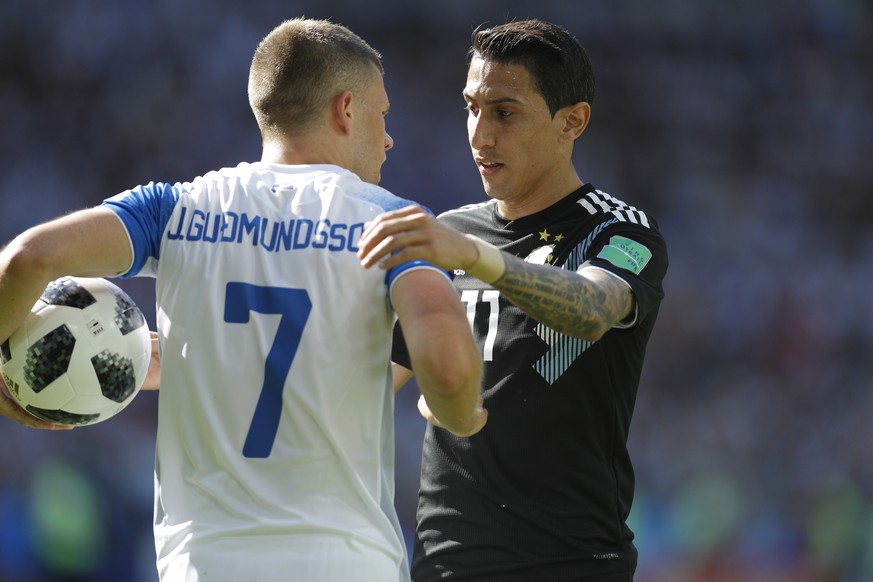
[564,300]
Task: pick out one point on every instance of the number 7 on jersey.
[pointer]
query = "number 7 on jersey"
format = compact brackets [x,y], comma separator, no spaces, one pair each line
[294,306]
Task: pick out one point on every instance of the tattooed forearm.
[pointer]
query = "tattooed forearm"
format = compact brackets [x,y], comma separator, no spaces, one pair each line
[572,304]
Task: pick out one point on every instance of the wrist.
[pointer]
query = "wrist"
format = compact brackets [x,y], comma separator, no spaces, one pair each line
[489,265]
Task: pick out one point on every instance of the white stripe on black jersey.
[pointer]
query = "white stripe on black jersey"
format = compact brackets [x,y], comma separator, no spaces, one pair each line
[598,201]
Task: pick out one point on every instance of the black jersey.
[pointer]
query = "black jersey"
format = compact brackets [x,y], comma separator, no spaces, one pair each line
[544,490]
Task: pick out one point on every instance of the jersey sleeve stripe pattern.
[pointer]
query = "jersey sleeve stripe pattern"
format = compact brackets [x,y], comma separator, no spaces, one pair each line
[599,201]
[578,254]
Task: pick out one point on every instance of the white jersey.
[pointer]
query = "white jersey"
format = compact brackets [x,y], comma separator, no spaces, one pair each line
[275,446]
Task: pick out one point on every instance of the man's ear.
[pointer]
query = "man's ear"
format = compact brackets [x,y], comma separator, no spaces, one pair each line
[341,111]
[575,120]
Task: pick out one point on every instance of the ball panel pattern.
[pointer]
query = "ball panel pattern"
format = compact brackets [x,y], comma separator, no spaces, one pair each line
[128,316]
[69,293]
[62,416]
[115,374]
[48,358]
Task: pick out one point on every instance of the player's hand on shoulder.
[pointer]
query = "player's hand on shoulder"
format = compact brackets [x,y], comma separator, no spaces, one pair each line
[413,233]
[10,409]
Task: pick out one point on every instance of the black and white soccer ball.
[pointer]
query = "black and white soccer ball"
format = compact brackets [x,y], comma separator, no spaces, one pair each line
[81,355]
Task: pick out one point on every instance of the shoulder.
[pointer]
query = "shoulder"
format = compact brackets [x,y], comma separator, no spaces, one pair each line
[247,175]
[174,191]
[382,198]
[606,216]
[600,204]
[469,209]
[626,241]
[470,217]
[613,230]
[147,195]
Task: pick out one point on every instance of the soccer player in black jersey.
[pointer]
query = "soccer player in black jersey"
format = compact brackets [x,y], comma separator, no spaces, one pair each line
[562,284]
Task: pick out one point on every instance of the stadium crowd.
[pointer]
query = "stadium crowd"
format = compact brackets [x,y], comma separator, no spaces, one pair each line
[745,128]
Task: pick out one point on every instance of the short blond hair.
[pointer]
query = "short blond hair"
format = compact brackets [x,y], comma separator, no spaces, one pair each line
[299,67]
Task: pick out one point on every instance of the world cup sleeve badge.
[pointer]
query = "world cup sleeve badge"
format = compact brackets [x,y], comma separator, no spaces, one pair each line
[626,254]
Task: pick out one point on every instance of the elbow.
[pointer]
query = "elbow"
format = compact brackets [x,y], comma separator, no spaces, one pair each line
[596,331]
[452,364]
[453,395]
[464,377]
[23,257]
[596,326]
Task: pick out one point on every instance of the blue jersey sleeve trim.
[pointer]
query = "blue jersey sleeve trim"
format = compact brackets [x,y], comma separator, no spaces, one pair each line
[145,212]
[395,273]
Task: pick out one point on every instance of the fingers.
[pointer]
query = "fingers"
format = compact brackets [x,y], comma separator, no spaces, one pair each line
[396,249]
[425,412]
[391,222]
[153,375]
[481,417]
[10,409]
[389,232]
[392,216]
[373,250]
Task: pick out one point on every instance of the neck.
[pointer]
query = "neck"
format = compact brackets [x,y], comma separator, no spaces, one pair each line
[300,152]
[513,208]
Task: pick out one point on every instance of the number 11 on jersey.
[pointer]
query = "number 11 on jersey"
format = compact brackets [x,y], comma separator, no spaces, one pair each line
[490,296]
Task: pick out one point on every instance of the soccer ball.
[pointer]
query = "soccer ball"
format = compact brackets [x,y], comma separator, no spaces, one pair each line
[81,355]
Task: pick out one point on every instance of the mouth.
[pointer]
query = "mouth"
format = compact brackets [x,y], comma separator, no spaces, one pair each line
[488,168]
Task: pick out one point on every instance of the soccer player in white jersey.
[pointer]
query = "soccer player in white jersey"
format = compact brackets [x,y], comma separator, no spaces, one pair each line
[275,456]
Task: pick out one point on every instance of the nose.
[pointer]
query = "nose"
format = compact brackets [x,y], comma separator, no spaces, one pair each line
[478,132]
[389,141]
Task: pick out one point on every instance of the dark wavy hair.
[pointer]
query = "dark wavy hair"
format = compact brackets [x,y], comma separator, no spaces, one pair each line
[558,64]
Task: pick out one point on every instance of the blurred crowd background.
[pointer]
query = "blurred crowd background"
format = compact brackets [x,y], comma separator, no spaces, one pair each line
[745,128]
